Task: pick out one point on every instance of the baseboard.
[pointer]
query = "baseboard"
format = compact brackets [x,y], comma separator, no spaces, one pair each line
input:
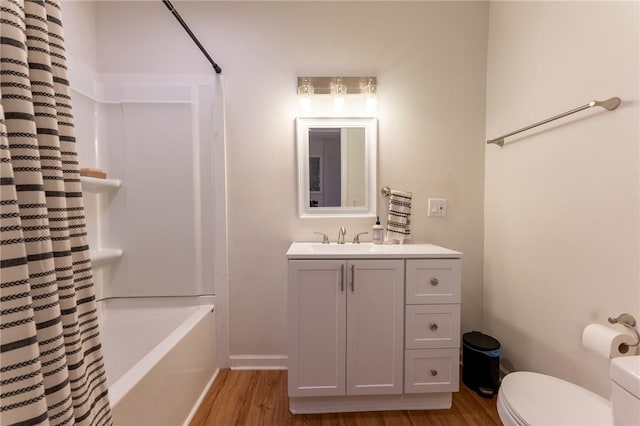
[258,362]
[201,398]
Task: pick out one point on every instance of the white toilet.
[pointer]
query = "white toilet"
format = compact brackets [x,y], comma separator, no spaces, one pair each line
[527,398]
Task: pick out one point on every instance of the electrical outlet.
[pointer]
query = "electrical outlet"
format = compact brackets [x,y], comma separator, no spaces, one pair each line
[437,207]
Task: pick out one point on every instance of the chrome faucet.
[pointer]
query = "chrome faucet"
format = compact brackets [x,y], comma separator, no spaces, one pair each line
[325,238]
[341,233]
[356,238]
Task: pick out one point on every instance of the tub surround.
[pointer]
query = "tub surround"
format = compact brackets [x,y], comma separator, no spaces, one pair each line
[372,327]
[167,340]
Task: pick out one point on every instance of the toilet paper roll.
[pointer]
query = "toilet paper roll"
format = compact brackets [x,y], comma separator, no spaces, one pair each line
[606,341]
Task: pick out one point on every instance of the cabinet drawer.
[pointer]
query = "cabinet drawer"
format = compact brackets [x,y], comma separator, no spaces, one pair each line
[431,370]
[432,326]
[433,281]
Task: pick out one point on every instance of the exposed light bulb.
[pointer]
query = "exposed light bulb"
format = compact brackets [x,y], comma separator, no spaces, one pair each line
[370,90]
[372,102]
[339,89]
[305,102]
[305,89]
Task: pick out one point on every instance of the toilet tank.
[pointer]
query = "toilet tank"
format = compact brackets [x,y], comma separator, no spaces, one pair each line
[625,391]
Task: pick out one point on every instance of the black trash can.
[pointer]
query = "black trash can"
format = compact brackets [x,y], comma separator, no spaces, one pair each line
[481,363]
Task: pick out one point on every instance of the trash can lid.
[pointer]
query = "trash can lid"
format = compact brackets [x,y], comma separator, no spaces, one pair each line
[480,342]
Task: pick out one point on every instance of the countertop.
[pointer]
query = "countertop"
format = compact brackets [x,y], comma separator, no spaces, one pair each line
[367,250]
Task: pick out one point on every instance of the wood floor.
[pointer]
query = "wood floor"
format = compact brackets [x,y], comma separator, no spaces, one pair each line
[259,398]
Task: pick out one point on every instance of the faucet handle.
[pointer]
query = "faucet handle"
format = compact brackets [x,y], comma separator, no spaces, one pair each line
[325,237]
[356,238]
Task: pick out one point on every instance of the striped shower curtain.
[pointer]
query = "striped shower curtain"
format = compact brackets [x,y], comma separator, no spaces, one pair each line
[51,363]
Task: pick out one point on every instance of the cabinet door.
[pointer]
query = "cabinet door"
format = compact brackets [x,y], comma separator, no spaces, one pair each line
[317,315]
[375,316]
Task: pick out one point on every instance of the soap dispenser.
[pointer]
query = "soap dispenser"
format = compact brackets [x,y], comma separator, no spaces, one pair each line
[378,232]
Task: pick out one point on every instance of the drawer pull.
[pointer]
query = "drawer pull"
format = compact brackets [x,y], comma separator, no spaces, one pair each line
[434,372]
[434,281]
[433,326]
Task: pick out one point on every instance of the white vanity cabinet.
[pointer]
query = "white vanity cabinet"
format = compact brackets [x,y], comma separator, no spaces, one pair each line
[372,327]
[345,327]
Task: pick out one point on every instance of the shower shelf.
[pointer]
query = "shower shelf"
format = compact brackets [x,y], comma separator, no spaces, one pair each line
[96,185]
[104,256]
[101,256]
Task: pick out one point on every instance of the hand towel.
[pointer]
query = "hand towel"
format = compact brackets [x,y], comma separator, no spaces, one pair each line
[398,220]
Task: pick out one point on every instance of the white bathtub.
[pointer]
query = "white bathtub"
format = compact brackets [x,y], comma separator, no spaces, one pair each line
[159,355]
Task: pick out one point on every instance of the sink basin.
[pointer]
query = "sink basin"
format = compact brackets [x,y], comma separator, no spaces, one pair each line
[368,250]
[342,248]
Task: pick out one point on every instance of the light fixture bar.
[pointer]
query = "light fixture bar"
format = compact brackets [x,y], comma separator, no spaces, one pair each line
[323,85]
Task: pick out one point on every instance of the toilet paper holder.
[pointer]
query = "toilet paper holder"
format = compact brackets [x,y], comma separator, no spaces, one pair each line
[628,321]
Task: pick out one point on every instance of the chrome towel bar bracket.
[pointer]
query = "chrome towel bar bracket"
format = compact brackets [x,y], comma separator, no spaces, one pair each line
[609,104]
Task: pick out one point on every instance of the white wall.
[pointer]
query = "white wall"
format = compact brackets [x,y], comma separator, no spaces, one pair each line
[430,60]
[561,201]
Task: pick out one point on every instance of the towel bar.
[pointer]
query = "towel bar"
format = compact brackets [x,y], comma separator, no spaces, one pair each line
[609,104]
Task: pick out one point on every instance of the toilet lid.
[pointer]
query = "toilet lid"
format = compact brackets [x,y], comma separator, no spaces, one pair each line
[536,399]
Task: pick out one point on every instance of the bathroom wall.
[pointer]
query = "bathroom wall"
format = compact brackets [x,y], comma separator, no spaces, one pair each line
[430,60]
[561,209]
[561,201]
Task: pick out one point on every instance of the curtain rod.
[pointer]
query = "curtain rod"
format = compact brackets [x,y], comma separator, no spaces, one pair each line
[175,13]
[609,104]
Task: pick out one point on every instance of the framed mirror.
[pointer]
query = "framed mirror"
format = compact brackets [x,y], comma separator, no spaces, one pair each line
[336,167]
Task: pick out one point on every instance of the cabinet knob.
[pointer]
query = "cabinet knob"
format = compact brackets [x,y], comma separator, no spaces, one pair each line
[434,372]
[434,281]
[433,326]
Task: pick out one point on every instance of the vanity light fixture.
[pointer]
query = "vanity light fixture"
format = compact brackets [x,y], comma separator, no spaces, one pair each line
[337,86]
[354,95]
